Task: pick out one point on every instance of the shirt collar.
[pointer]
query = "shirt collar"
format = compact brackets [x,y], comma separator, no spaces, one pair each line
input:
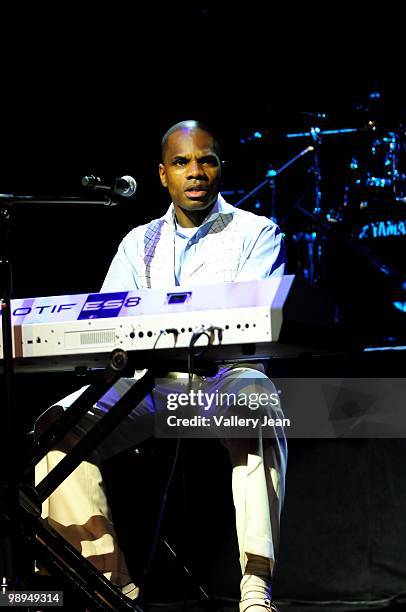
[219,208]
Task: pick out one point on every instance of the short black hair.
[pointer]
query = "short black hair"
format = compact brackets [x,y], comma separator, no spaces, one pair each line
[190,124]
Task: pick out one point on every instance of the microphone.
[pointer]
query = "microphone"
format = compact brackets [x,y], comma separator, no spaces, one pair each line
[125,186]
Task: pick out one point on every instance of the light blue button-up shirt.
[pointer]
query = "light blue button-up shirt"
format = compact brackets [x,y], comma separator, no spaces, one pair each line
[262,254]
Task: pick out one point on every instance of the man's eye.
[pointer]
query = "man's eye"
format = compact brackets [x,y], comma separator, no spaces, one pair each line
[180,162]
[210,160]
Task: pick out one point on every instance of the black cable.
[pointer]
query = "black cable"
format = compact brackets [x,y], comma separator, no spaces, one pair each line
[170,478]
[162,332]
[195,336]
[162,510]
[202,331]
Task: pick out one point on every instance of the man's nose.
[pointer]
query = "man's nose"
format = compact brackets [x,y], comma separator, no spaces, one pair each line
[195,169]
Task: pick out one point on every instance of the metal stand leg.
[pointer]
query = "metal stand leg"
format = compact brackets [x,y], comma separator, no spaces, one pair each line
[116,368]
[56,555]
[95,436]
[53,551]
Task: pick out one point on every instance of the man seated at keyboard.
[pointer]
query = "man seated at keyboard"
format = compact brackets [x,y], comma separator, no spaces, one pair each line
[200,240]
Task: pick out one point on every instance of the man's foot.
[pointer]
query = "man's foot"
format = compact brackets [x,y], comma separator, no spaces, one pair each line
[255,604]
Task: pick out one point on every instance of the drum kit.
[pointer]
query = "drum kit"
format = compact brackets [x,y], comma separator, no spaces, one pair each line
[354,207]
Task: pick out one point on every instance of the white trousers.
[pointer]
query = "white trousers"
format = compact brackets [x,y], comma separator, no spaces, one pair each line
[78,509]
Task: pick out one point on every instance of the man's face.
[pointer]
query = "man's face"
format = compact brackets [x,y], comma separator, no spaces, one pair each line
[191,169]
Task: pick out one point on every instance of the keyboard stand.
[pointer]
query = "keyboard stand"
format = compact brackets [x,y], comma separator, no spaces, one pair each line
[60,559]
[51,549]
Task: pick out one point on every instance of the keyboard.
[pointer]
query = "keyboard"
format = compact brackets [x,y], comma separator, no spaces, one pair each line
[228,321]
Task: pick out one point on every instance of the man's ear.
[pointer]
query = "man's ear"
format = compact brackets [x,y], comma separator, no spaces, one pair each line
[162,175]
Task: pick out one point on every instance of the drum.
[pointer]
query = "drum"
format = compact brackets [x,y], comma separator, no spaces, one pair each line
[376,171]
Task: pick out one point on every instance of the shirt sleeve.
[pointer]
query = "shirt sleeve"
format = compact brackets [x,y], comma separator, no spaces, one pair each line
[263,256]
[122,275]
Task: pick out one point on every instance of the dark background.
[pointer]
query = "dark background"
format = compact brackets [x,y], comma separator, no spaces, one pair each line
[92,91]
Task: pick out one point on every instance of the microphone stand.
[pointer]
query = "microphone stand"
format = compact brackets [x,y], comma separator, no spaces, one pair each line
[313,242]
[8,200]
[10,448]
[270,180]
[386,269]
[315,246]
